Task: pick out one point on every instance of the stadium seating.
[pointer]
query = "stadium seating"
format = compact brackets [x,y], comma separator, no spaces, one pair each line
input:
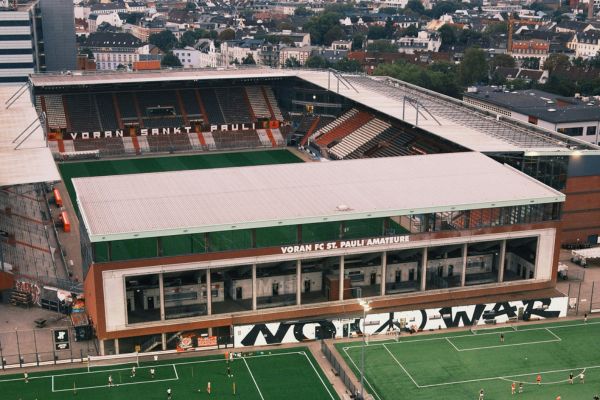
[213,110]
[190,104]
[392,142]
[126,105]
[234,105]
[38,105]
[106,111]
[162,98]
[163,143]
[163,122]
[106,146]
[236,139]
[272,103]
[359,137]
[343,129]
[258,101]
[55,111]
[82,112]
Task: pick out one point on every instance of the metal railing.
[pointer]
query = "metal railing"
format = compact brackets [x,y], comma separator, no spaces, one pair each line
[339,368]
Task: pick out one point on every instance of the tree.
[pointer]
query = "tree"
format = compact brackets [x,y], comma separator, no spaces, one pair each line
[357,41]
[530,63]
[169,60]
[501,60]
[346,65]
[189,38]
[447,34]
[443,7]
[556,61]
[248,60]
[415,6]
[376,32]
[317,62]
[322,25]
[227,34]
[292,62]
[473,67]
[382,46]
[333,34]
[164,40]
[301,11]
[411,31]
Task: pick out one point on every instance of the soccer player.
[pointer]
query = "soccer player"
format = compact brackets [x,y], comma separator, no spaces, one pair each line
[133,372]
[520,387]
[152,373]
[596,397]
[502,338]
[229,374]
[208,387]
[581,377]
[26,377]
[513,388]
[584,318]
[169,394]
[570,378]
[481,394]
[110,381]
[538,379]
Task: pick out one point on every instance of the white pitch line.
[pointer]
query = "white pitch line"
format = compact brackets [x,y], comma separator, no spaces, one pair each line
[452,344]
[402,366]
[364,377]
[116,385]
[52,383]
[254,380]
[510,345]
[319,375]
[175,369]
[554,334]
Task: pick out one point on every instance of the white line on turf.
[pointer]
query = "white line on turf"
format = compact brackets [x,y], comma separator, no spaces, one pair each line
[401,366]
[365,378]
[319,375]
[52,383]
[510,345]
[175,369]
[116,385]
[253,380]
[554,334]
[452,344]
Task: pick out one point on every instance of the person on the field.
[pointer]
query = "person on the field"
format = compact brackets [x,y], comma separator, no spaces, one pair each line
[570,378]
[538,379]
[596,397]
[26,377]
[152,373]
[513,388]
[208,387]
[581,377]
[481,394]
[110,381]
[133,372]
[229,374]
[520,387]
[169,394]
[502,338]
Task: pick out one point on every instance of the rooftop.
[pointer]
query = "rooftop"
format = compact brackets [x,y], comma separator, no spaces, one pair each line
[543,105]
[24,158]
[172,203]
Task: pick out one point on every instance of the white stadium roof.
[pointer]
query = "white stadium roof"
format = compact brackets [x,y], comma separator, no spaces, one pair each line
[24,157]
[171,203]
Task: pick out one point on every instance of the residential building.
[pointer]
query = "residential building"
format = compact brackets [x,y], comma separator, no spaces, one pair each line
[237,50]
[204,55]
[114,49]
[425,41]
[95,20]
[585,44]
[300,54]
[532,48]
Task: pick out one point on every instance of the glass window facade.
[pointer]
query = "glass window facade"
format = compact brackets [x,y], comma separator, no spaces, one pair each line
[403,271]
[143,298]
[320,281]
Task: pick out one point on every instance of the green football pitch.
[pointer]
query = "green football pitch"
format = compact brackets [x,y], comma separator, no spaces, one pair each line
[458,365]
[70,170]
[291,374]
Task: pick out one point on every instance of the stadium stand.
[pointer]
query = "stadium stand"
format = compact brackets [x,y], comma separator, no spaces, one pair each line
[258,101]
[106,146]
[233,104]
[82,112]
[351,124]
[127,110]
[236,139]
[190,104]
[359,137]
[163,143]
[212,107]
[56,111]
[333,124]
[272,103]
[391,142]
[106,110]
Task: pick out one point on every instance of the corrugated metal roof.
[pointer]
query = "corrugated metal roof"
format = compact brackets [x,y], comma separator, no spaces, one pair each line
[170,203]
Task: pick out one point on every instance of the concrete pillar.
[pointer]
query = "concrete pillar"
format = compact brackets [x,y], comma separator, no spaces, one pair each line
[164,341]
[101,347]
[117,346]
[383,271]
[210,331]
[501,261]
[254,286]
[463,273]
[299,282]
[208,293]
[161,291]
[341,278]
[424,270]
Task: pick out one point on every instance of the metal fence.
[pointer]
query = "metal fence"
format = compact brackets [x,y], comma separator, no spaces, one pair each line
[584,297]
[339,369]
[39,347]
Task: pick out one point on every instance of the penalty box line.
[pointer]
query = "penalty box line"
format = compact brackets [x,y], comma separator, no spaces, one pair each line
[556,339]
[358,369]
[74,388]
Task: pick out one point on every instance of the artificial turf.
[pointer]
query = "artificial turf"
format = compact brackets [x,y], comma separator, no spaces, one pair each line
[458,365]
[70,170]
[291,374]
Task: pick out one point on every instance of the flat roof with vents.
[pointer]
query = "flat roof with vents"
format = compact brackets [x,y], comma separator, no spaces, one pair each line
[173,203]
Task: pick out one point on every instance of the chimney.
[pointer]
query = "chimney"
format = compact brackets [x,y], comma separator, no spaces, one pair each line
[591,9]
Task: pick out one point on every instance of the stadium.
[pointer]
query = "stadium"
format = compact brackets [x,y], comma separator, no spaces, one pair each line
[253,206]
